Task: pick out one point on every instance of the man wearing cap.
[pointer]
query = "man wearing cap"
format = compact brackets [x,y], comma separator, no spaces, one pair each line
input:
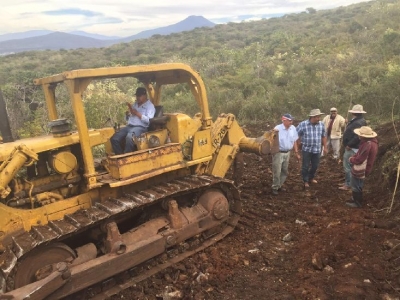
[362,163]
[138,121]
[280,161]
[334,124]
[312,136]
[351,142]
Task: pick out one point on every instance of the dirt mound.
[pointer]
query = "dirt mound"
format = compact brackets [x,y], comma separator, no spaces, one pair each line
[299,244]
[382,181]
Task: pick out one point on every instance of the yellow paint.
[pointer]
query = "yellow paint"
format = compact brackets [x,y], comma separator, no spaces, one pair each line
[223,161]
[201,144]
[182,167]
[144,161]
[13,219]
[149,139]
[64,162]
[182,127]
[48,142]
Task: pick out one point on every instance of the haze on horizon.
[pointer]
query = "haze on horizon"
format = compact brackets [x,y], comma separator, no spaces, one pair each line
[123,18]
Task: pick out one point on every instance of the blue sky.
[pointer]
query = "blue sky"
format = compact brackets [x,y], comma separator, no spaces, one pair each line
[126,17]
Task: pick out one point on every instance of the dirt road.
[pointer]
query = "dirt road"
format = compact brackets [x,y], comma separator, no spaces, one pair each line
[297,245]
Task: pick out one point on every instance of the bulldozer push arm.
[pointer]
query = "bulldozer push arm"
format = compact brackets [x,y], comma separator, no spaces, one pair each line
[69,220]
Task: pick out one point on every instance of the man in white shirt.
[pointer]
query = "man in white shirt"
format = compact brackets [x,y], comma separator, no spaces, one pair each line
[280,161]
[138,122]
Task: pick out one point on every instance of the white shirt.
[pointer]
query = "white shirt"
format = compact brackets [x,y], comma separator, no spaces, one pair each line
[287,137]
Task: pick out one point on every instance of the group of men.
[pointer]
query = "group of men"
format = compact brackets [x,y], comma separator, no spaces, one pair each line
[313,138]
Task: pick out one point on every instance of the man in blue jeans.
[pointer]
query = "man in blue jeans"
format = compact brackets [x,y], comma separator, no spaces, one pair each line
[312,136]
[138,122]
[351,142]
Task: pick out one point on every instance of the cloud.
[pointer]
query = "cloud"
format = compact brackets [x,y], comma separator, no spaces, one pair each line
[72,11]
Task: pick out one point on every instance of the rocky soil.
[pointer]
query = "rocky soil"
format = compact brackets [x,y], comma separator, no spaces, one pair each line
[301,244]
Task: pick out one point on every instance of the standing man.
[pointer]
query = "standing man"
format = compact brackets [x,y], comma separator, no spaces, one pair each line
[351,142]
[138,121]
[362,163]
[280,161]
[334,124]
[312,136]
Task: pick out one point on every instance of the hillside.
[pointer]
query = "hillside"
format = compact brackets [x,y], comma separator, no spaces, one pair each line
[258,70]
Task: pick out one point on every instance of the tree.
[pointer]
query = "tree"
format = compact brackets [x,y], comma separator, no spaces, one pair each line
[311,10]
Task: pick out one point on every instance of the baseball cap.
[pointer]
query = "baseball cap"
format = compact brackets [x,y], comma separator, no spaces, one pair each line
[287,117]
[140,91]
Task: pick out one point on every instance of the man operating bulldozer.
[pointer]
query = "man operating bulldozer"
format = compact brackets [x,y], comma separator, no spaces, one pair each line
[138,122]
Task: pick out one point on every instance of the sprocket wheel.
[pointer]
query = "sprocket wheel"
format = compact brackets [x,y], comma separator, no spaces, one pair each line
[40,263]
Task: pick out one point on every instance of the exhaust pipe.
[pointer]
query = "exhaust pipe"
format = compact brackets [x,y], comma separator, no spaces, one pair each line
[5,128]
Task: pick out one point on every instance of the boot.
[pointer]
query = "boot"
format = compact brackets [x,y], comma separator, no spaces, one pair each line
[356,200]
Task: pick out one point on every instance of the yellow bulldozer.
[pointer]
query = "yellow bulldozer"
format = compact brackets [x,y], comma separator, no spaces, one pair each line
[69,220]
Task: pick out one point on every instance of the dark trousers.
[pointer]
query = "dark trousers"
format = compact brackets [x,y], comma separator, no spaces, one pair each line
[357,184]
[309,165]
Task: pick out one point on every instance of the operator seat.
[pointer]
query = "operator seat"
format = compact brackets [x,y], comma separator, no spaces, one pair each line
[159,120]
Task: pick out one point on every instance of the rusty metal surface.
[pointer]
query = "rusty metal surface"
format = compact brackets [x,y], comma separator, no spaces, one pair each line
[113,242]
[40,289]
[145,242]
[238,168]
[41,263]
[133,276]
[145,161]
[78,221]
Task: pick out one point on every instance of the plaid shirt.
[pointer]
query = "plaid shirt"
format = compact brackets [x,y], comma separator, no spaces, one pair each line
[311,136]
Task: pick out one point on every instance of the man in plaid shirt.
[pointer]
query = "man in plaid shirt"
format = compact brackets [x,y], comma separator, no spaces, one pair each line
[312,136]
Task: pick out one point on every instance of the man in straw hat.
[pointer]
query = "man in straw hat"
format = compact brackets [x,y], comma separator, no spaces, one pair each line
[312,136]
[351,142]
[362,163]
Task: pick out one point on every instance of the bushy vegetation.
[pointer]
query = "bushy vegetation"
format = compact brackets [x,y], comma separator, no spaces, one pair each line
[256,70]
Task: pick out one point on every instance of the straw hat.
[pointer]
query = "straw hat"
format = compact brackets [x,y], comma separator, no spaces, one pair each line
[357,109]
[366,132]
[315,112]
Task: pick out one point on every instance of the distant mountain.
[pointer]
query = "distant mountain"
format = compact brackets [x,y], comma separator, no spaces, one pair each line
[23,35]
[189,23]
[50,40]
[95,36]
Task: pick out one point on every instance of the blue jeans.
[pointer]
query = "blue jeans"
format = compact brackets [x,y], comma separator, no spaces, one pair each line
[126,133]
[347,166]
[307,171]
[357,184]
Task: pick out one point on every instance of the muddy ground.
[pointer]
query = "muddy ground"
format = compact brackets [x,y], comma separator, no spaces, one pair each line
[299,244]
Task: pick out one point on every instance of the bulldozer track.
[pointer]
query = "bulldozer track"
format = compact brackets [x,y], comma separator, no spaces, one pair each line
[131,277]
[83,219]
